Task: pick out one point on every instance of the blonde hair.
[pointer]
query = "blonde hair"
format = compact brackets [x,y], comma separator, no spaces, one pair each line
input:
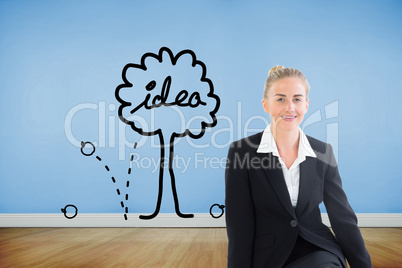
[279,72]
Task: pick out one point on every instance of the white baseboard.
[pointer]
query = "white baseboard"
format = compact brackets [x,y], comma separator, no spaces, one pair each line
[162,220]
[373,219]
[108,220]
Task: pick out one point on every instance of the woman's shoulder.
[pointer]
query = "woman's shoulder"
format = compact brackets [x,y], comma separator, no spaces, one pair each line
[322,149]
[248,143]
[317,144]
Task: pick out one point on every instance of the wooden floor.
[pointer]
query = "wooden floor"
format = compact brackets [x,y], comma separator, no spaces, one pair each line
[149,247]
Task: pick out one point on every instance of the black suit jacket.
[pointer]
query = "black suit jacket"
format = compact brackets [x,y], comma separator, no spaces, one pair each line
[262,225]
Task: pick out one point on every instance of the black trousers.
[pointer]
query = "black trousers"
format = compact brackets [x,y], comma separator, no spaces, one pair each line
[316,259]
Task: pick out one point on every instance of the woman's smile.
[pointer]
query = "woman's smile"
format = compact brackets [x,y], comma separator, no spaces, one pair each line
[289,118]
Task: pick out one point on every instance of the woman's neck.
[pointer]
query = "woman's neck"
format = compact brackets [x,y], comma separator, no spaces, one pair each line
[286,140]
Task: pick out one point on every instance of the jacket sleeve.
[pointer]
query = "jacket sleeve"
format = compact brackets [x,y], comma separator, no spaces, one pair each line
[342,217]
[239,211]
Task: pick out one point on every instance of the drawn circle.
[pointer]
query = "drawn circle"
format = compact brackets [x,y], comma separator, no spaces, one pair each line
[64,210]
[219,206]
[83,146]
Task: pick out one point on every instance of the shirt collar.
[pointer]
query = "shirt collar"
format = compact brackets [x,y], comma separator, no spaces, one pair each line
[268,144]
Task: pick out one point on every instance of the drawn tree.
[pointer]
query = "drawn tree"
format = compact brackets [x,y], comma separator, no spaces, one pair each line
[174,95]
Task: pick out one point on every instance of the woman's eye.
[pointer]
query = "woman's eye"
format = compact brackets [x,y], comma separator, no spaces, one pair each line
[297,99]
[281,99]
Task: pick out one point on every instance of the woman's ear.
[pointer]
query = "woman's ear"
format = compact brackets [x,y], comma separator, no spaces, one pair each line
[265,105]
[307,104]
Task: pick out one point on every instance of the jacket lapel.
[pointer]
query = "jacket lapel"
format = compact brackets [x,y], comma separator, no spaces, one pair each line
[275,177]
[307,178]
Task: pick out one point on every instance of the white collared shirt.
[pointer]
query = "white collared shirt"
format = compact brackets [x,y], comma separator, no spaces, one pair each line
[291,175]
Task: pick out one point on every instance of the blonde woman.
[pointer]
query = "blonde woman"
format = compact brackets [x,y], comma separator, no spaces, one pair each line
[275,181]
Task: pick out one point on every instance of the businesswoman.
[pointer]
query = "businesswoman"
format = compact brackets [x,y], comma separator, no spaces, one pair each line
[275,181]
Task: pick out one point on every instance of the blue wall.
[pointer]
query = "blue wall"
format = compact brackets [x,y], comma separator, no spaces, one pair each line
[57,57]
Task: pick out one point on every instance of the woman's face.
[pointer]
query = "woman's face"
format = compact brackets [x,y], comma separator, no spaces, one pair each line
[287,103]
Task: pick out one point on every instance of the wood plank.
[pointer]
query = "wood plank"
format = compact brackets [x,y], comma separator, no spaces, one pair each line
[200,253]
[149,247]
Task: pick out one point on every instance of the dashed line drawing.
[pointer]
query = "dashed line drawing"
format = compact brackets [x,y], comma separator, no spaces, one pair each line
[128,181]
[89,146]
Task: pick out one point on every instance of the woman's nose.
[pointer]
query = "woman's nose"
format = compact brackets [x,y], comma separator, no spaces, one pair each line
[290,106]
